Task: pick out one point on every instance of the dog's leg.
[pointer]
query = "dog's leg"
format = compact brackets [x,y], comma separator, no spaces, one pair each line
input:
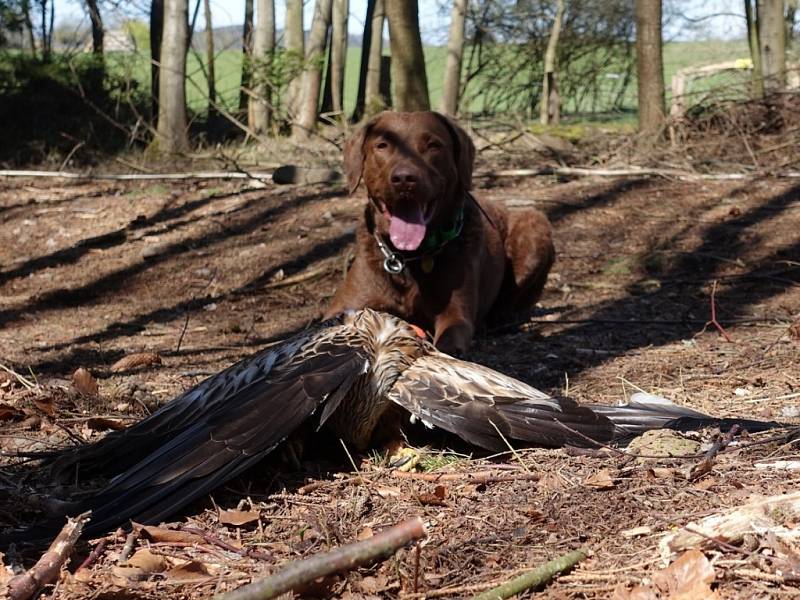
[454,329]
[529,254]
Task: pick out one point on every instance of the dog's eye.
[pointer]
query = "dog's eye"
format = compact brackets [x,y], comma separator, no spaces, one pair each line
[381,145]
[434,146]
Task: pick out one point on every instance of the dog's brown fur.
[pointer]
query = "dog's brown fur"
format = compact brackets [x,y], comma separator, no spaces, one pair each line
[499,262]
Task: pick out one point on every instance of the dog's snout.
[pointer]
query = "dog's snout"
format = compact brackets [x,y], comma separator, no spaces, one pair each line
[404,176]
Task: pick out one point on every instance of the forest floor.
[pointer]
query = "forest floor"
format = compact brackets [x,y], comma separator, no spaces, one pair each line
[203,273]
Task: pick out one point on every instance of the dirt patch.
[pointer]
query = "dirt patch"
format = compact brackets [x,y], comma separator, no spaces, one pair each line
[194,272]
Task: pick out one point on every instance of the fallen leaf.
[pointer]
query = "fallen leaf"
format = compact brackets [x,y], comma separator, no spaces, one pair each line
[688,578]
[188,571]
[238,518]
[147,561]
[365,533]
[161,534]
[550,482]
[46,405]
[706,483]
[85,383]
[138,359]
[128,573]
[389,492]
[9,413]
[601,480]
[104,424]
[639,592]
[430,500]
[636,531]
[440,492]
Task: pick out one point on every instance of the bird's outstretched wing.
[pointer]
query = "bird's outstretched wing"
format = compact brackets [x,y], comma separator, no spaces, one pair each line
[221,427]
[475,403]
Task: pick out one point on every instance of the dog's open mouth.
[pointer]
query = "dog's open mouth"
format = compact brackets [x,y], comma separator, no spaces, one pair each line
[408,225]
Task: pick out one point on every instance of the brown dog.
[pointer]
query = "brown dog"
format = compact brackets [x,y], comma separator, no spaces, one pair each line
[427,251]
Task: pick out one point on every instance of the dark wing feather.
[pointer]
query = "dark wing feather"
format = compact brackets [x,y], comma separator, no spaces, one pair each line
[122,449]
[231,431]
[474,402]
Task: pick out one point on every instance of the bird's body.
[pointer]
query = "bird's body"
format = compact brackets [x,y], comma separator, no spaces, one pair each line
[345,374]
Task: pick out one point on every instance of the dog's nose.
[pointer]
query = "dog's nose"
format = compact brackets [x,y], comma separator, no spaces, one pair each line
[405,177]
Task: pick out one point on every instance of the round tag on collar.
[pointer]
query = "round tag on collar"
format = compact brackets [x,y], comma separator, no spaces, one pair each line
[393,264]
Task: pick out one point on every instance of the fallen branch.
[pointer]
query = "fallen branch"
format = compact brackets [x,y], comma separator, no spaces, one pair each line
[307,275]
[536,577]
[713,320]
[48,567]
[261,176]
[480,477]
[629,172]
[344,558]
[718,446]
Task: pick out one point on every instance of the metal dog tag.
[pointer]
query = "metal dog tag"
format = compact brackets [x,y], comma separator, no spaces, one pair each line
[393,264]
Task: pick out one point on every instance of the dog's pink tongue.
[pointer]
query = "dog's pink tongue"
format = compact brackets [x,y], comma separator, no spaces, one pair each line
[407,231]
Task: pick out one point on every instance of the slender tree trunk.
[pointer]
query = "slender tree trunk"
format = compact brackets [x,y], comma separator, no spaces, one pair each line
[295,48]
[308,111]
[247,53]
[550,108]
[455,53]
[791,13]
[97,26]
[341,8]
[366,43]
[156,33]
[211,125]
[260,114]
[755,49]
[172,123]
[45,45]
[772,41]
[650,67]
[373,98]
[408,59]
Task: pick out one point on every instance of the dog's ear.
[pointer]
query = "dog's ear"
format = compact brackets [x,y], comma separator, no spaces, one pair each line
[464,151]
[354,154]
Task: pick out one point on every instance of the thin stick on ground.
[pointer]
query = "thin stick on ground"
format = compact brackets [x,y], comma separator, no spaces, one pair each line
[345,558]
[536,577]
[718,446]
[48,567]
[713,320]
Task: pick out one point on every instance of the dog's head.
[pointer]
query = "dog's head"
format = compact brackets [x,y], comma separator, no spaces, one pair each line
[416,167]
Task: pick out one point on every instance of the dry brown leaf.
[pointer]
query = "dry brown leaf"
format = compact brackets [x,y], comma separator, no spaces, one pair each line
[706,483]
[46,405]
[138,359]
[128,573]
[104,424]
[188,571]
[148,562]
[431,500]
[440,492]
[388,492]
[550,482]
[9,413]
[237,518]
[601,480]
[688,578]
[160,534]
[639,592]
[85,383]
[365,533]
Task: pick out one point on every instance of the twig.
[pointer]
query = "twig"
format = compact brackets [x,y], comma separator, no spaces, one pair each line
[534,578]
[127,549]
[713,320]
[24,381]
[300,277]
[344,558]
[48,567]
[219,542]
[93,555]
[719,444]
[481,477]
[510,447]
[261,176]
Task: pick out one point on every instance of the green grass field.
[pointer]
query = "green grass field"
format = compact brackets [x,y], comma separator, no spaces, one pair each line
[228,66]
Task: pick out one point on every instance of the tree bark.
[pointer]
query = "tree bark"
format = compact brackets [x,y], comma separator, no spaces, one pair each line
[156,32]
[373,97]
[97,26]
[172,134]
[341,8]
[772,42]
[308,109]
[650,67]
[295,46]
[212,87]
[408,59]
[755,49]
[25,7]
[550,108]
[247,53]
[260,114]
[366,43]
[455,53]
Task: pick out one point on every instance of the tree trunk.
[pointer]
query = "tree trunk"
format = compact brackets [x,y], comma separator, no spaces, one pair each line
[211,124]
[791,14]
[649,66]
[772,42]
[156,33]
[408,60]
[341,9]
[455,52]
[45,43]
[97,26]
[172,135]
[550,109]
[366,43]
[247,53]
[755,49]
[374,100]
[260,113]
[295,47]
[308,109]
